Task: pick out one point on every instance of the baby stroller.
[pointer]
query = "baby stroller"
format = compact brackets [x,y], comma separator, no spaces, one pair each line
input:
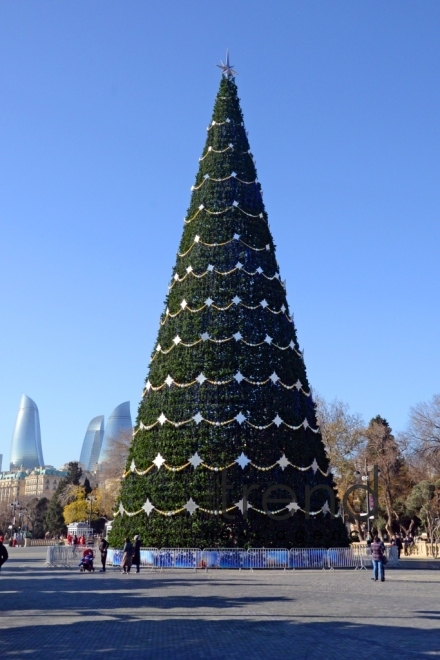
[86,563]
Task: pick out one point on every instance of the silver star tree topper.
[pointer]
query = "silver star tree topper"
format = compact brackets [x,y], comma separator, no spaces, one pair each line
[226,68]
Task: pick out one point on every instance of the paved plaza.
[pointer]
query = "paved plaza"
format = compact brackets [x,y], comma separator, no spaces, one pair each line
[232,614]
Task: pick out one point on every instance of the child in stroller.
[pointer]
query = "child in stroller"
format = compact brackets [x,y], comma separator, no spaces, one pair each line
[86,563]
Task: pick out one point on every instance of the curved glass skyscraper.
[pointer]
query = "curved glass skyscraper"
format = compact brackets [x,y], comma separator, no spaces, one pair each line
[92,442]
[26,448]
[119,422]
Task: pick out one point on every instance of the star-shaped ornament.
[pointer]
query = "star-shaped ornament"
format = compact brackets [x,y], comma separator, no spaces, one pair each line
[243,505]
[205,336]
[283,462]
[268,339]
[210,268]
[238,336]
[176,277]
[132,466]
[236,237]
[298,384]
[230,145]
[195,460]
[234,174]
[242,460]
[169,380]
[189,269]
[259,270]
[291,345]
[239,265]
[201,207]
[315,466]
[268,247]
[240,418]
[238,377]
[141,426]
[206,176]
[201,379]
[277,420]
[191,506]
[234,203]
[208,302]
[274,377]
[196,238]
[325,508]
[148,386]
[236,300]
[183,304]
[158,348]
[306,423]
[197,418]
[226,68]
[148,507]
[159,461]
[293,506]
[162,419]
[264,303]
[283,308]
[177,340]
[121,508]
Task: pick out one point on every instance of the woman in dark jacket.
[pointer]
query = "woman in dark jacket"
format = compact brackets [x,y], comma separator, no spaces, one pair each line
[137,552]
[377,555]
[127,557]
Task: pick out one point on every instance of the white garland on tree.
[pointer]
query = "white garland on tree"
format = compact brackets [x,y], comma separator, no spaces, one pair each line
[236,237]
[239,418]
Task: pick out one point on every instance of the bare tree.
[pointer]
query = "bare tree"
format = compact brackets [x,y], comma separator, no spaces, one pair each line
[110,472]
[343,434]
[113,464]
[423,433]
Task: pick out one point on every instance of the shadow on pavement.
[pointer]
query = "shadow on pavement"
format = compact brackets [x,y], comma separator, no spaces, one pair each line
[229,639]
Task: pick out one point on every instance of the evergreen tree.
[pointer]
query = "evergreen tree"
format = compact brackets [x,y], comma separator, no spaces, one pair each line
[54,516]
[227,416]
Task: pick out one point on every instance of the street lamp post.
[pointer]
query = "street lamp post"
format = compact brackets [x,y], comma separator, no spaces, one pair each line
[90,499]
[366,479]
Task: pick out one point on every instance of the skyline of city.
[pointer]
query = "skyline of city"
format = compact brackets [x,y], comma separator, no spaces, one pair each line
[26,444]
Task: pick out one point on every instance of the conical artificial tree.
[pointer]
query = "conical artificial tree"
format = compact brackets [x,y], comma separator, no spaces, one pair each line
[226,448]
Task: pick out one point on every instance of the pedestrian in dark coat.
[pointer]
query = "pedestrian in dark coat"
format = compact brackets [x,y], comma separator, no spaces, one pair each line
[378,556]
[137,552]
[3,553]
[127,557]
[103,546]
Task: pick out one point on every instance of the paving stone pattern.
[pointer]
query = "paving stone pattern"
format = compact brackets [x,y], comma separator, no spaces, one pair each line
[220,614]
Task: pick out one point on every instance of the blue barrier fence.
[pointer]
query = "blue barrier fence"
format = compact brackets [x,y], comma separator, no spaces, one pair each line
[255,558]
[356,557]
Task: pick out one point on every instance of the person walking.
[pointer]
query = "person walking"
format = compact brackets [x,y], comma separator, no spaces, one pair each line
[103,547]
[127,557]
[3,553]
[399,545]
[378,556]
[137,552]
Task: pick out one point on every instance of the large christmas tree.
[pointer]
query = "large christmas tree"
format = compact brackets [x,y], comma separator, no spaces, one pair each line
[226,449]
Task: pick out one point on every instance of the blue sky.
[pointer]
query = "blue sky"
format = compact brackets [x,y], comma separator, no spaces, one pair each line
[103,114]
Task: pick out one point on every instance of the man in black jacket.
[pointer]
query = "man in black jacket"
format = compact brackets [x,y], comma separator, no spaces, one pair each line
[3,553]
[137,552]
[103,545]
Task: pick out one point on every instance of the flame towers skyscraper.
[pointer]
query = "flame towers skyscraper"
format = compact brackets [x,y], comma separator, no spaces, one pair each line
[26,448]
[91,447]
